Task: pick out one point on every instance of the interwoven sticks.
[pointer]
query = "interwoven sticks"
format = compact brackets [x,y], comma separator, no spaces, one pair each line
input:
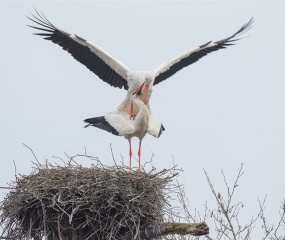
[99,202]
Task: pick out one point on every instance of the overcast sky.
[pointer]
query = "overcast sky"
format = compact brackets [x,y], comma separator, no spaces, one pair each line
[224,110]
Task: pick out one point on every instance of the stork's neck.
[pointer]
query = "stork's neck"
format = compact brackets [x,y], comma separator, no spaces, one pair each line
[143,115]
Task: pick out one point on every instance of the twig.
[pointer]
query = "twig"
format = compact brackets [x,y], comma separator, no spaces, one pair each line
[113,155]
[10,188]
[32,152]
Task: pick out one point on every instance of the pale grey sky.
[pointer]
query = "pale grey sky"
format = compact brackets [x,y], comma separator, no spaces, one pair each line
[224,110]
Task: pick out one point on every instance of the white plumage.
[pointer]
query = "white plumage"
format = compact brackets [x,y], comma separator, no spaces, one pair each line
[114,72]
[119,123]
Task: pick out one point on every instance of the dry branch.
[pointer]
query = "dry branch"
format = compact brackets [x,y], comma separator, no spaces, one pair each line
[162,229]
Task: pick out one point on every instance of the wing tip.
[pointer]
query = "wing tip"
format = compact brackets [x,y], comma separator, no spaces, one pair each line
[246,27]
[40,19]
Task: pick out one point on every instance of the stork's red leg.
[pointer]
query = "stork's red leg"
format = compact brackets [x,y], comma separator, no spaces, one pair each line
[139,154]
[130,153]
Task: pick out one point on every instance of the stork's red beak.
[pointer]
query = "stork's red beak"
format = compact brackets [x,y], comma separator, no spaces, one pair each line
[139,89]
[145,92]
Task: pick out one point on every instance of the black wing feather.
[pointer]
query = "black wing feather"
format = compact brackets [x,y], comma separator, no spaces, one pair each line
[81,53]
[100,122]
[195,56]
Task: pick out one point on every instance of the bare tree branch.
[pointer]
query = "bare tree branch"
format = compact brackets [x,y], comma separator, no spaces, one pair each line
[162,229]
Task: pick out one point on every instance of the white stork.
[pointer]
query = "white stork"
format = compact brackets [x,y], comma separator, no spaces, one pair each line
[115,73]
[120,124]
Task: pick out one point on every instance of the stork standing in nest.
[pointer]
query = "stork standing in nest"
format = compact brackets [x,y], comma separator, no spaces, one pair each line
[120,124]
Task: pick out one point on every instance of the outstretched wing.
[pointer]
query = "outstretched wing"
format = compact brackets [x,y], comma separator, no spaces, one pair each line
[169,68]
[106,67]
[155,127]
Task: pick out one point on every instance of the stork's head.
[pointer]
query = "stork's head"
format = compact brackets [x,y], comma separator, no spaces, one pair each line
[149,77]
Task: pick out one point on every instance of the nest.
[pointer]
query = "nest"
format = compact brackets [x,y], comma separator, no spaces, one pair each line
[75,202]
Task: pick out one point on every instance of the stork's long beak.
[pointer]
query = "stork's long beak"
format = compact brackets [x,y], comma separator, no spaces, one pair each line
[138,91]
[145,92]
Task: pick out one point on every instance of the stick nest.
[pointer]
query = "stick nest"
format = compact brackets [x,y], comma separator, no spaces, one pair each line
[75,202]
